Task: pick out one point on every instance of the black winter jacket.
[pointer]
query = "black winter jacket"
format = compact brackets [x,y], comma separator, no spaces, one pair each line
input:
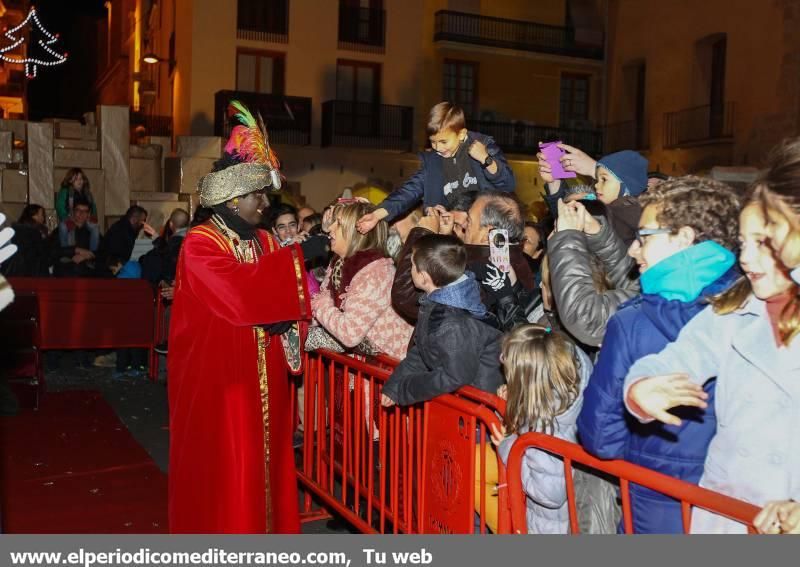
[451,349]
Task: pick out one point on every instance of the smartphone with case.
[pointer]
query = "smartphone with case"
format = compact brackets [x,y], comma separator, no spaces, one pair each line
[552,154]
[499,254]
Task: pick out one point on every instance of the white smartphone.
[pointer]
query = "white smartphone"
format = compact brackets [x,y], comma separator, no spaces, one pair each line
[499,254]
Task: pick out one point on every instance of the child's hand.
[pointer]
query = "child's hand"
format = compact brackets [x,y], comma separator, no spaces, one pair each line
[498,434]
[367,223]
[781,516]
[477,151]
[578,161]
[658,394]
[386,401]
[502,392]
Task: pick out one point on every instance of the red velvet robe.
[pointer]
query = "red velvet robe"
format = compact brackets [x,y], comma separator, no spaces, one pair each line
[231,467]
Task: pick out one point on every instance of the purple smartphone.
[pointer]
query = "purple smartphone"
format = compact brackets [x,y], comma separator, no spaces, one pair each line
[552,153]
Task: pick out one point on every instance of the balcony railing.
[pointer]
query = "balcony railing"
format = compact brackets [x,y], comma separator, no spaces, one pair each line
[629,135]
[288,118]
[367,125]
[258,20]
[153,125]
[700,124]
[362,29]
[521,138]
[511,34]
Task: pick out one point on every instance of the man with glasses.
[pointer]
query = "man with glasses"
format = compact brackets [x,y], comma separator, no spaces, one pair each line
[284,225]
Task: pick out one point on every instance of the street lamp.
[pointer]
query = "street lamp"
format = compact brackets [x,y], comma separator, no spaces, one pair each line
[151,59]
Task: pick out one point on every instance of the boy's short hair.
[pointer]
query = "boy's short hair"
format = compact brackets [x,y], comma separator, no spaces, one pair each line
[445,116]
[709,207]
[279,211]
[442,257]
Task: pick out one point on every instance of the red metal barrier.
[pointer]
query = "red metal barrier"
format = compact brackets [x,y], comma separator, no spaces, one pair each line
[395,470]
[160,333]
[688,494]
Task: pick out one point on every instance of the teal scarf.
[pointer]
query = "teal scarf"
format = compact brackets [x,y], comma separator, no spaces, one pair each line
[683,276]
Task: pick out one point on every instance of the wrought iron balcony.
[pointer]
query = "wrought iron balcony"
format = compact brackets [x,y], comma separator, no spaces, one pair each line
[629,135]
[367,125]
[258,20]
[362,29]
[521,138]
[511,34]
[701,124]
[288,118]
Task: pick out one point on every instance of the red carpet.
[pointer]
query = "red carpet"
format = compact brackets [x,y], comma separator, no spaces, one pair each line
[73,467]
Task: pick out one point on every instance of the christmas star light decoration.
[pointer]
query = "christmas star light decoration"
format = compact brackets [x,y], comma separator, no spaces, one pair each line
[31,63]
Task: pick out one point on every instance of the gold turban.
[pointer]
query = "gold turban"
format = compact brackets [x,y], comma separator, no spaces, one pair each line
[236,181]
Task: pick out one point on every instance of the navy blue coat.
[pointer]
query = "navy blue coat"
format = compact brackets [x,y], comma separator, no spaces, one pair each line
[642,326]
[428,182]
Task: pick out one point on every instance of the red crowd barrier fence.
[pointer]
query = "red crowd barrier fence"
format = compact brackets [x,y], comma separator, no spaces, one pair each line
[689,495]
[418,469]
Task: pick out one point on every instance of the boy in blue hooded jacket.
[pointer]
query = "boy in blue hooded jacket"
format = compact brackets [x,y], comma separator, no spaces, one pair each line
[685,248]
[461,161]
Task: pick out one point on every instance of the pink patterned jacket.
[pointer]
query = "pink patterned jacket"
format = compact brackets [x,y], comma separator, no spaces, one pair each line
[366,311]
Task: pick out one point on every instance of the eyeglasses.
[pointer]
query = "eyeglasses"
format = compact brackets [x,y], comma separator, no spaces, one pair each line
[642,233]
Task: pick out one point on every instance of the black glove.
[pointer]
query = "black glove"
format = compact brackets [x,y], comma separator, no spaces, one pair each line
[316,250]
[509,313]
[495,283]
[278,328]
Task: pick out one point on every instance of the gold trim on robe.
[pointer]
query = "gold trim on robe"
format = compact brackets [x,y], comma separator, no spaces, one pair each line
[263,342]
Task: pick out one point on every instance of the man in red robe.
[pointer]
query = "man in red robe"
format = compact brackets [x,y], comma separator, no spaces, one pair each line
[231,464]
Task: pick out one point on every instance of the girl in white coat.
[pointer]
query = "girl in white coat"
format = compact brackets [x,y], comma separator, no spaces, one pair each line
[749,340]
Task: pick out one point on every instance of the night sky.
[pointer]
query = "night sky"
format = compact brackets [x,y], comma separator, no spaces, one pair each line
[67,90]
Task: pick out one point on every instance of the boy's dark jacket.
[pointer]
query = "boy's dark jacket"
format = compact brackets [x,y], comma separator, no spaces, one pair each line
[428,182]
[453,347]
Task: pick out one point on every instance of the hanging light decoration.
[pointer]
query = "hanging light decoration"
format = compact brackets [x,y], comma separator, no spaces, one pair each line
[32,60]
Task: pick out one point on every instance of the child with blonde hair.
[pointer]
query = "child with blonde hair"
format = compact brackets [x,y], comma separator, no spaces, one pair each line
[546,375]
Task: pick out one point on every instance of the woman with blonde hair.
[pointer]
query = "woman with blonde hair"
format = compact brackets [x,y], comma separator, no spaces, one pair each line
[354,303]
